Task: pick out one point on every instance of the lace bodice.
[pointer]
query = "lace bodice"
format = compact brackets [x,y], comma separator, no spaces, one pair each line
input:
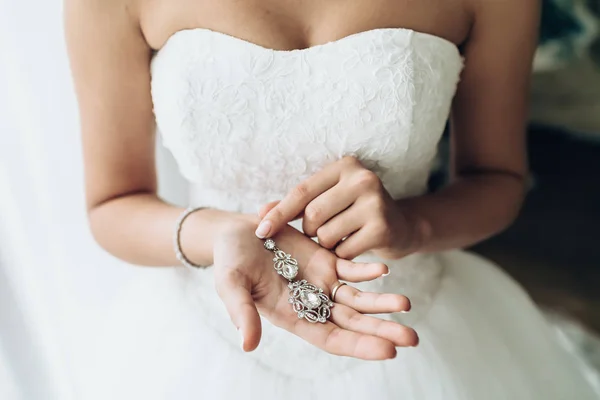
[246,124]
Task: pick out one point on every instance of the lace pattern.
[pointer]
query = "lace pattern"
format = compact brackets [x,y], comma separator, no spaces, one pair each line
[251,122]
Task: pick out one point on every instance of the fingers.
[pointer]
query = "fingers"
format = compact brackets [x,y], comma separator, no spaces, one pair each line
[296,201]
[371,303]
[330,232]
[334,203]
[234,292]
[359,272]
[347,318]
[354,245]
[342,342]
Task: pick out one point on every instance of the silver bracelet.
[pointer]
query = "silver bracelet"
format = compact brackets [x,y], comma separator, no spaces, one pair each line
[177,238]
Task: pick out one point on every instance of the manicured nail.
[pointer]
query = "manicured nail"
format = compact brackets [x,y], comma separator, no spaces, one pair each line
[241,338]
[409,308]
[417,342]
[263,229]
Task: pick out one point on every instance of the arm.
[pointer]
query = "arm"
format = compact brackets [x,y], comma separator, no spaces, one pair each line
[488,123]
[110,63]
[346,206]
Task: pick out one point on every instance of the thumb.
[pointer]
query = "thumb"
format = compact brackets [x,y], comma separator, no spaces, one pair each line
[234,290]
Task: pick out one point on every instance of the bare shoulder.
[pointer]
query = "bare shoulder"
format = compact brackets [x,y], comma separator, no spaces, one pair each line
[503,29]
[104,42]
[506,16]
[100,20]
[507,7]
[98,10]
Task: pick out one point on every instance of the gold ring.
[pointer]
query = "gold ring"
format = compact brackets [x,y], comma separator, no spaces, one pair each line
[335,289]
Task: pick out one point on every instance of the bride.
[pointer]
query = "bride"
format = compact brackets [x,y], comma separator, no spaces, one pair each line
[313,262]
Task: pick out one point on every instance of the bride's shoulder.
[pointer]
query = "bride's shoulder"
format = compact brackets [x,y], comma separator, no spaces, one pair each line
[102,30]
[505,12]
[514,22]
[102,16]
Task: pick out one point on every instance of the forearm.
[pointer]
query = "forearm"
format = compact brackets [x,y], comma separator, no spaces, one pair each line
[471,209]
[139,228]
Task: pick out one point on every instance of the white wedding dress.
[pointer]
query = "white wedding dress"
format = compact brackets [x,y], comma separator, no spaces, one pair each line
[247,123]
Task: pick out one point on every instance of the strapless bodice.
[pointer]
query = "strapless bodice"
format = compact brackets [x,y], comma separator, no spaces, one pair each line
[247,123]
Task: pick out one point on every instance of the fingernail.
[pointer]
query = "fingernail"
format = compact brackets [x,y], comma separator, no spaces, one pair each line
[263,229]
[409,308]
[241,338]
[387,273]
[416,342]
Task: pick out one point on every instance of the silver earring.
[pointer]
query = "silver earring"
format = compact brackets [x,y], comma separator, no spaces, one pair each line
[307,300]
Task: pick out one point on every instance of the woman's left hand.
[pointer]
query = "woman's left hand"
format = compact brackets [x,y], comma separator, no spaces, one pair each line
[347,208]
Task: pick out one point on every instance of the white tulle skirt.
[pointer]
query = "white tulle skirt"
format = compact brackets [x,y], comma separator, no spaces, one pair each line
[481,339]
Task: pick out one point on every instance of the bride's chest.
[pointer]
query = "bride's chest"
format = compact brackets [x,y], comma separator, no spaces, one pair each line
[229,109]
[247,95]
[289,24]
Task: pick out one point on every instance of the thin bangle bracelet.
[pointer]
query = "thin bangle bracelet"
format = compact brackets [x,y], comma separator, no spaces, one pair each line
[177,238]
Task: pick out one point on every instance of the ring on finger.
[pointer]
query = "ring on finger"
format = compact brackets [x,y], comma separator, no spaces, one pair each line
[335,289]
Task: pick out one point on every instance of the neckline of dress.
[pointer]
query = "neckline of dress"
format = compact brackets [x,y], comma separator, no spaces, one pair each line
[343,39]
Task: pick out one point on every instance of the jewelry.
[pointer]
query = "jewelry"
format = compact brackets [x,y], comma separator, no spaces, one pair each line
[307,300]
[177,238]
[335,289]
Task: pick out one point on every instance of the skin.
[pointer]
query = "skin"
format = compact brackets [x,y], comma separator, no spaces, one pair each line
[110,45]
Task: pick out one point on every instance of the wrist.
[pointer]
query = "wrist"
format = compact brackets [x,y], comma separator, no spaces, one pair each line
[422,233]
[416,229]
[201,228]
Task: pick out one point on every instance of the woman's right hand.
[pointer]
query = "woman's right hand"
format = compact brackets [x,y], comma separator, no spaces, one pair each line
[248,285]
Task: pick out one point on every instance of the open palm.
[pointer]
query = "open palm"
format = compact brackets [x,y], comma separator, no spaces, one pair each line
[248,285]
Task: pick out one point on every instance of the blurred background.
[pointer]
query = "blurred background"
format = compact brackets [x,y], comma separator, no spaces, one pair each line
[51,298]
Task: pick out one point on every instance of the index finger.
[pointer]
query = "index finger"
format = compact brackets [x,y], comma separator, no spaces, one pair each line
[297,199]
